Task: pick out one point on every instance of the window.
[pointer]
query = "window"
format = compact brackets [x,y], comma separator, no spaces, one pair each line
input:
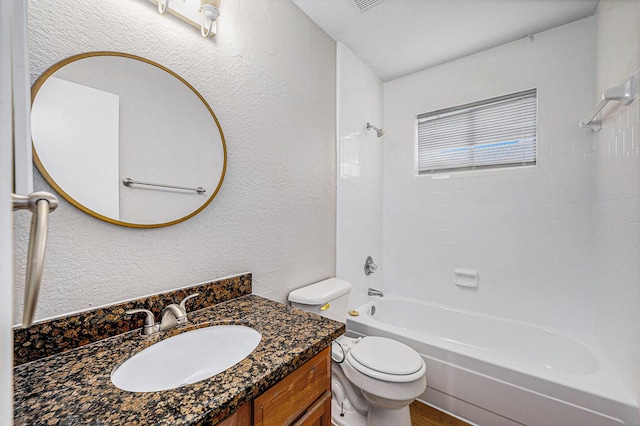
[496,132]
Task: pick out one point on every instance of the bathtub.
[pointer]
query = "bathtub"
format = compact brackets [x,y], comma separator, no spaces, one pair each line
[496,371]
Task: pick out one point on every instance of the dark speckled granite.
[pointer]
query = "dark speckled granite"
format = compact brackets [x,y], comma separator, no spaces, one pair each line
[74,387]
[63,334]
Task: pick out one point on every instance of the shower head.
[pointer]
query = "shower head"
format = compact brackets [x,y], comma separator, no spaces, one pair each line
[379,132]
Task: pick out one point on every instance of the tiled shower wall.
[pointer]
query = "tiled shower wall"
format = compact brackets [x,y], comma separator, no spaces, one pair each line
[617,192]
[359,189]
[531,232]
[528,231]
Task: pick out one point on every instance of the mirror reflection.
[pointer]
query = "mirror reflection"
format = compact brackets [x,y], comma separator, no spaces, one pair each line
[126,140]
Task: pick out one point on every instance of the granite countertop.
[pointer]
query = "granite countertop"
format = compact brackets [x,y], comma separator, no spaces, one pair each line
[74,387]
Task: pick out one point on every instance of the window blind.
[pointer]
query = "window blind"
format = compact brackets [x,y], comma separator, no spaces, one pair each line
[491,133]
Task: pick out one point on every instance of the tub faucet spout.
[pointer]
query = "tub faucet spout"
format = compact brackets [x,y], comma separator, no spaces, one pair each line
[374,292]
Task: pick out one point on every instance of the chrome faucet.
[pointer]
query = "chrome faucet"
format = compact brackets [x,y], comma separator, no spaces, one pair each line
[374,292]
[172,316]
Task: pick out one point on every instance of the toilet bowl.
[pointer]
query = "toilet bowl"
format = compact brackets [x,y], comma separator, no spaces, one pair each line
[374,379]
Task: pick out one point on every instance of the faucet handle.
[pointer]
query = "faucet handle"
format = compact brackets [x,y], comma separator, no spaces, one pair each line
[183,304]
[149,321]
[369,266]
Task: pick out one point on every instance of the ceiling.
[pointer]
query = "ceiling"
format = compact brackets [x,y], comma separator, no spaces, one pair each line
[395,38]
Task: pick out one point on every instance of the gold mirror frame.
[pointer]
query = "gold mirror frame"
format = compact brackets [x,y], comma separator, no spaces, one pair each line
[42,169]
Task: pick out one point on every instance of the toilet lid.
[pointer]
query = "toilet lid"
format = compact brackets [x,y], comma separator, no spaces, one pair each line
[386,356]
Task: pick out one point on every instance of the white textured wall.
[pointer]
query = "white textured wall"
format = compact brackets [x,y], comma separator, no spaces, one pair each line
[617,219]
[527,231]
[269,75]
[359,205]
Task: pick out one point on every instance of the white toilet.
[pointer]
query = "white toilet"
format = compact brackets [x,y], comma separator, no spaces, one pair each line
[374,379]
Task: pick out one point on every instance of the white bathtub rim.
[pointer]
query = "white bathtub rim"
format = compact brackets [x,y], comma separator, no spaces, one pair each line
[578,397]
[605,383]
[598,412]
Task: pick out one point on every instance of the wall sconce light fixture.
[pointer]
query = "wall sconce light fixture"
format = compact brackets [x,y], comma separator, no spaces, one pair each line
[163,7]
[210,14]
[201,14]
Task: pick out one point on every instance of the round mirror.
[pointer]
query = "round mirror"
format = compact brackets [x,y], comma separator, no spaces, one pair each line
[126,140]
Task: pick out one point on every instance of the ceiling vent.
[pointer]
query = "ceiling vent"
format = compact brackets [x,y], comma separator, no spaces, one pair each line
[363,5]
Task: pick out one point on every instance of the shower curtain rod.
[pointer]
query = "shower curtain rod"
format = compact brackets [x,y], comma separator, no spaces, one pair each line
[625,93]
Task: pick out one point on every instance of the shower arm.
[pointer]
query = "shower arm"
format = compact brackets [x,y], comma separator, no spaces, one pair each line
[379,132]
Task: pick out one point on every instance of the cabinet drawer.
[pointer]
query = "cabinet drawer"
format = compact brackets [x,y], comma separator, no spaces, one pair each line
[319,414]
[289,399]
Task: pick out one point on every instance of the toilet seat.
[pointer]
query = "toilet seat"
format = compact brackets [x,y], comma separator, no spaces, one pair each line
[386,359]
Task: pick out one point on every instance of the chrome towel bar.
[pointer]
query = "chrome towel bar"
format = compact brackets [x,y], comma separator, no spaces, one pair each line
[128,182]
[40,204]
[625,93]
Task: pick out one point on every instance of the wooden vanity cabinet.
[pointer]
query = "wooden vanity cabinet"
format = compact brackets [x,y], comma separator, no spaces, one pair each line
[319,414]
[299,398]
[303,398]
[242,417]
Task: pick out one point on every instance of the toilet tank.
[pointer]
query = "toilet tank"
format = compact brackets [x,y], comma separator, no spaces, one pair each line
[328,298]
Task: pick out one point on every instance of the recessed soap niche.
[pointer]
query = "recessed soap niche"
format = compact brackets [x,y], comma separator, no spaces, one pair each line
[466,277]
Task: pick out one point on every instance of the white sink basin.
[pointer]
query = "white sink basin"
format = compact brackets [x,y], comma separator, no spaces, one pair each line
[186,358]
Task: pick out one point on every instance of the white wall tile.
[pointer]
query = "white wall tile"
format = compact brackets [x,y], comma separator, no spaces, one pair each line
[359,193]
[617,194]
[534,233]
[509,223]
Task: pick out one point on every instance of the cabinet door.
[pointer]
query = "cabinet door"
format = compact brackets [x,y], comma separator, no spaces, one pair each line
[319,414]
[290,398]
[242,417]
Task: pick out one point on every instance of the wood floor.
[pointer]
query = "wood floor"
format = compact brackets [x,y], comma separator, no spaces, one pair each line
[424,415]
